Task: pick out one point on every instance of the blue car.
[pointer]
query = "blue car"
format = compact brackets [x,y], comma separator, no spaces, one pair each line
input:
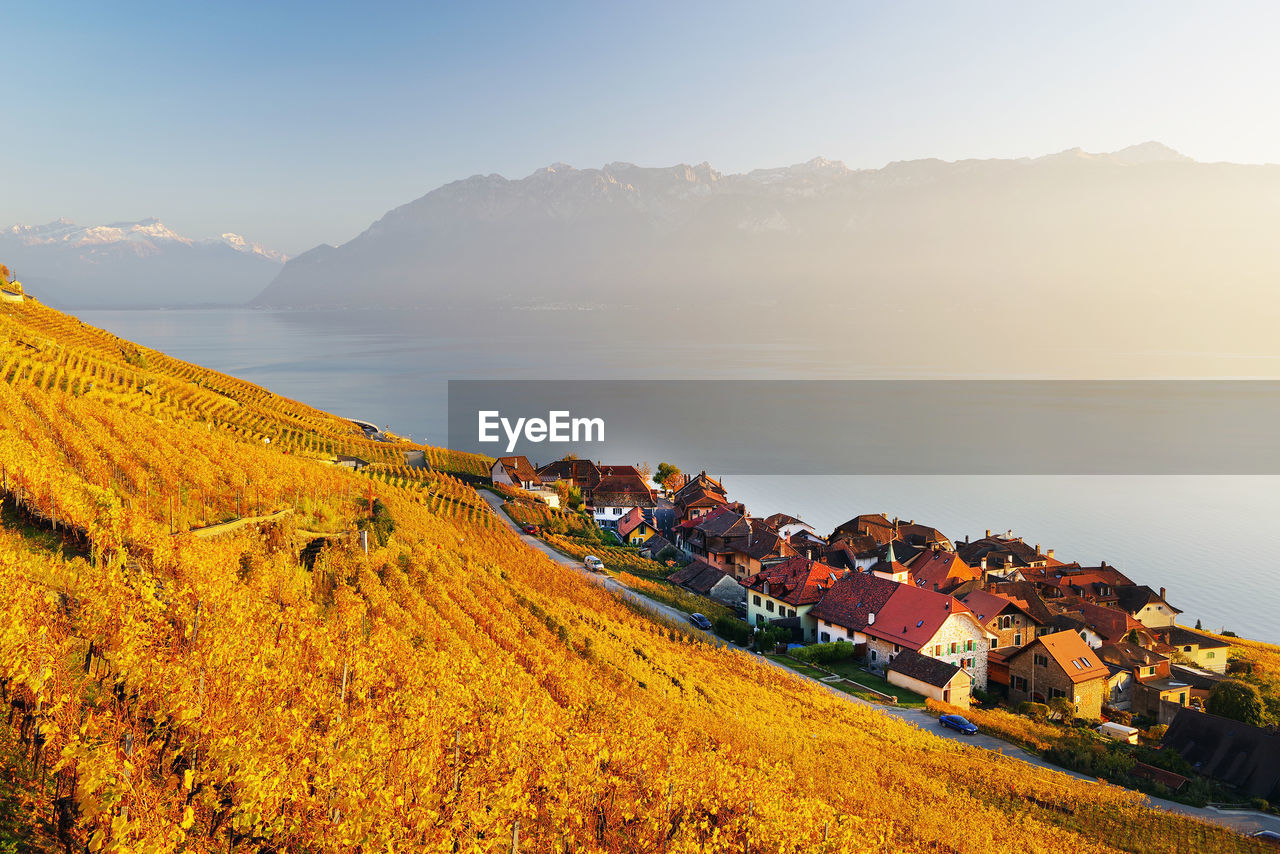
[958,724]
[700,621]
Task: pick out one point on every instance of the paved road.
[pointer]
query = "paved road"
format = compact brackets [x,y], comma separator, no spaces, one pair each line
[1242,821]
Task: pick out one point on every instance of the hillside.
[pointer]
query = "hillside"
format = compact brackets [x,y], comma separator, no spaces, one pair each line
[171,692]
[128,264]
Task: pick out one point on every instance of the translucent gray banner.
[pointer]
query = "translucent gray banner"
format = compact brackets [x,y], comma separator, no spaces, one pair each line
[963,427]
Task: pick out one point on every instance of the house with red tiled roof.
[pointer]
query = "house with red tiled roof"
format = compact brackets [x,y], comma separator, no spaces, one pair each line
[1059,665]
[940,570]
[615,495]
[874,525]
[635,528]
[514,471]
[716,535]
[1004,555]
[788,589]
[1096,624]
[1098,584]
[698,496]
[885,617]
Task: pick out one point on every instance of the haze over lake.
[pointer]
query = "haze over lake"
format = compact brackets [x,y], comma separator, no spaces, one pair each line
[1207,539]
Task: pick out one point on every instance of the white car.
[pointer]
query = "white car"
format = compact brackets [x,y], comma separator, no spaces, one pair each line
[593,563]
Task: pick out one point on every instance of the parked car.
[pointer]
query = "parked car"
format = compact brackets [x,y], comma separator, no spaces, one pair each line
[593,563]
[1267,836]
[531,530]
[700,621]
[958,724]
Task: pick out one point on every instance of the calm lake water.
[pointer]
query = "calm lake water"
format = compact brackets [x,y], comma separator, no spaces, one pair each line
[1210,540]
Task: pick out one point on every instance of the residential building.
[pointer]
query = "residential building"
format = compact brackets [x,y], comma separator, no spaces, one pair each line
[789,589]
[884,617]
[1146,606]
[710,581]
[697,497]
[514,471]
[940,570]
[635,527]
[1059,665]
[788,526]
[583,474]
[1199,650]
[615,495]
[930,677]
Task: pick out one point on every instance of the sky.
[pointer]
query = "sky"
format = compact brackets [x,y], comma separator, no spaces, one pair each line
[296,124]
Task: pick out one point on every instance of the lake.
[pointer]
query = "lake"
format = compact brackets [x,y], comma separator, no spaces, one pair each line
[1209,540]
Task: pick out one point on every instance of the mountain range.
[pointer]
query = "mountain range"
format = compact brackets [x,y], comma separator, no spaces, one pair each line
[134,264]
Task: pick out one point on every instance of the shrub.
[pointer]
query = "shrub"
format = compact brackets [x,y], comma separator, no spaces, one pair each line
[768,637]
[1035,711]
[825,653]
[1120,716]
[732,629]
[1062,708]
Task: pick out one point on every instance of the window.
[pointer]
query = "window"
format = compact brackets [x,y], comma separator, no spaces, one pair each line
[968,646]
[873,655]
[756,600]
[995,644]
[826,637]
[1041,660]
[1006,622]
[897,648]
[1208,655]
[1019,683]
[1186,649]
[937,650]
[1054,693]
[955,647]
[1017,640]
[1182,698]
[759,619]
[617,511]
[768,606]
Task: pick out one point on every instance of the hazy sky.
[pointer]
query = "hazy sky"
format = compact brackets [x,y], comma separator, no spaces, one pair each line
[301,123]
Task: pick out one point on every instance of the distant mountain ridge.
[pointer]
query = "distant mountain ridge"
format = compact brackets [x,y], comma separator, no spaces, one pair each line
[1054,233]
[135,263]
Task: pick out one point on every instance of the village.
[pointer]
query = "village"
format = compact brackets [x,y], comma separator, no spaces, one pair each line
[989,627]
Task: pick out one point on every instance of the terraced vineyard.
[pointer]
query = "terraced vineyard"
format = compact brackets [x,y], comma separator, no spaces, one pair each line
[449,690]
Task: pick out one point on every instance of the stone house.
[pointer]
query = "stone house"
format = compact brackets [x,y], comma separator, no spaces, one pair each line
[1059,665]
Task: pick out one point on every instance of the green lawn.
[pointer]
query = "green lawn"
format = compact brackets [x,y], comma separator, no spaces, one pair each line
[850,670]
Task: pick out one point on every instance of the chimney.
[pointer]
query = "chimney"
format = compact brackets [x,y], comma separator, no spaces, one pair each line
[1162,593]
[1037,548]
[988,532]
[871,618]
[984,564]
[1050,552]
